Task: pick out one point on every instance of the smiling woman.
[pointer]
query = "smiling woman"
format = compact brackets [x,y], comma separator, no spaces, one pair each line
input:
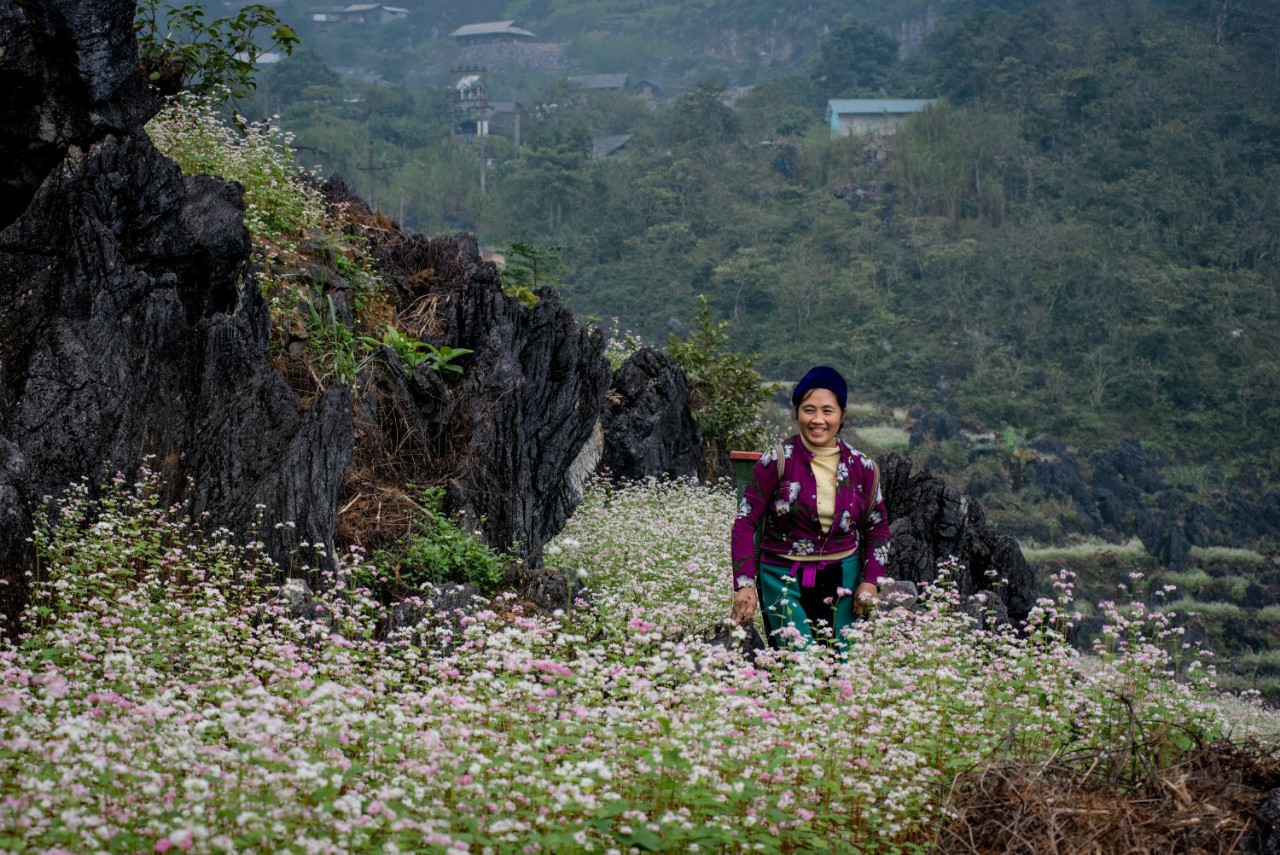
[814,506]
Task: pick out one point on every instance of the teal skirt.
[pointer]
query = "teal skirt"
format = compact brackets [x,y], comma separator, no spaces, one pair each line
[796,616]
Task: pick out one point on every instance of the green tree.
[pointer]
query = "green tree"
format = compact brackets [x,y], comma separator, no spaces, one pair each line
[701,119]
[182,51]
[530,268]
[855,60]
[304,76]
[726,391]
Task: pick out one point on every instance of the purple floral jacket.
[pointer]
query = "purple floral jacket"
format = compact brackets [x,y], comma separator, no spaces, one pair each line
[788,510]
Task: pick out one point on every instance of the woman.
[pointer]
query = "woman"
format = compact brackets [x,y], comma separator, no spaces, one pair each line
[824,536]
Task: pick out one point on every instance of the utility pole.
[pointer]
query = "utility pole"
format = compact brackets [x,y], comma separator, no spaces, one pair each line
[475,101]
[371,169]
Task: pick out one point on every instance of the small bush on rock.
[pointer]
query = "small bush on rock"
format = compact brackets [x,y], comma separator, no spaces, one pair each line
[438,550]
[279,204]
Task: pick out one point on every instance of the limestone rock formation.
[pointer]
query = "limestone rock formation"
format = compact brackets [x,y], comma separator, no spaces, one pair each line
[932,522]
[649,427]
[505,435]
[129,325]
[132,328]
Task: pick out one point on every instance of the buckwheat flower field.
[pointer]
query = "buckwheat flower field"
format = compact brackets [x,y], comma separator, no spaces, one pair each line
[163,698]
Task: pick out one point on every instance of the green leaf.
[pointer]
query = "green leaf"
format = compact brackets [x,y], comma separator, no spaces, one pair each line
[643,838]
[127,841]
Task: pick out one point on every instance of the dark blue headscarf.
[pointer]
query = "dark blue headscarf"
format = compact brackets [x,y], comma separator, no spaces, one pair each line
[821,377]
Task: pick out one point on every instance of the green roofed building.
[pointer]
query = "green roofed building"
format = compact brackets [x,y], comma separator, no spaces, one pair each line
[849,116]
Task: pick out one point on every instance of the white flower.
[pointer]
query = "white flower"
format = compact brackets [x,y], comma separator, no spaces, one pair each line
[802,547]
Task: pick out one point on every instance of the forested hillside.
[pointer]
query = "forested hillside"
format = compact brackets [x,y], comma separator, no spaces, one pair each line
[1078,238]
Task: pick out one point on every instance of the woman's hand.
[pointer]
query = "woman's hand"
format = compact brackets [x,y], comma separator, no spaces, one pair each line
[744,605]
[864,598]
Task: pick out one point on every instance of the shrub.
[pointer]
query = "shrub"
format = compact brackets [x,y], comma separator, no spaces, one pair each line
[213,58]
[439,550]
[1270,614]
[279,204]
[726,391]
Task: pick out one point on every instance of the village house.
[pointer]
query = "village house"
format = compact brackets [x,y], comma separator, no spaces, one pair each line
[357,13]
[850,116]
[493,32]
[600,82]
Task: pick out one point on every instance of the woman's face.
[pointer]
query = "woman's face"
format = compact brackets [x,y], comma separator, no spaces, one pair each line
[819,416]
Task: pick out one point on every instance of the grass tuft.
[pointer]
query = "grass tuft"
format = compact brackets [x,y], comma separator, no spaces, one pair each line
[1082,550]
[1226,555]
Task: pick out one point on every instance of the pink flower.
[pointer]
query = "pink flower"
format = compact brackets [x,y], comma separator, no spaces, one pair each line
[56,685]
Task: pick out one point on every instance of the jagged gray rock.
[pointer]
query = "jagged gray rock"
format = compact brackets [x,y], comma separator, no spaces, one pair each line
[129,324]
[69,72]
[506,434]
[648,425]
[932,522]
[552,588]
[16,558]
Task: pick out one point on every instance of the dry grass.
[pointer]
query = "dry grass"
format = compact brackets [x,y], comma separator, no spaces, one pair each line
[395,447]
[1205,801]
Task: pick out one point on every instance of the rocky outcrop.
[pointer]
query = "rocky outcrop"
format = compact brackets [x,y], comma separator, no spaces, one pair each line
[16,559]
[932,522]
[129,324]
[1126,495]
[132,327]
[649,429]
[1117,493]
[505,436]
[69,72]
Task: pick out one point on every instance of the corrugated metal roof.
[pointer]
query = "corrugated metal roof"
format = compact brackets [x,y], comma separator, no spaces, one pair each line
[876,106]
[600,81]
[492,28]
[602,147]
